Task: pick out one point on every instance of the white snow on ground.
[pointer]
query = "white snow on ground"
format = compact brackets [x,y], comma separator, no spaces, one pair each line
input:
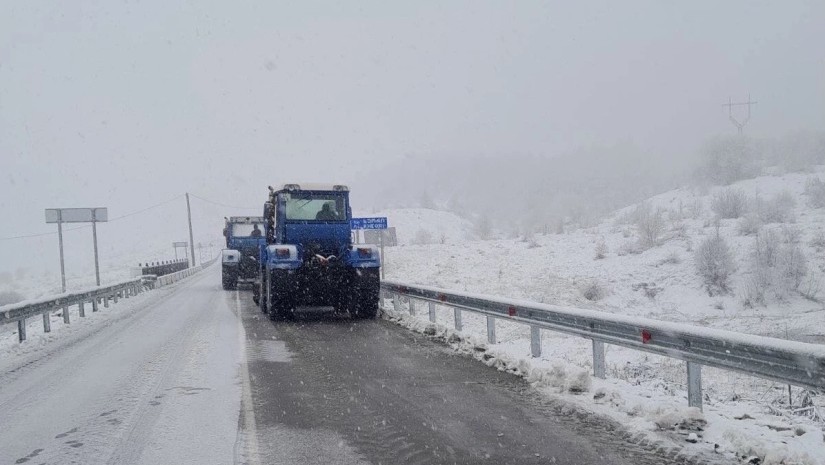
[11,350]
[643,391]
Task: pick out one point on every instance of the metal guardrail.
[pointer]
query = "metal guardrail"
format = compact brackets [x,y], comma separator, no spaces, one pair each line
[163,268]
[789,362]
[22,311]
[159,281]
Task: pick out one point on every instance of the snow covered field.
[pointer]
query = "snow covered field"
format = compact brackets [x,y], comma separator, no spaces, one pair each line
[745,416]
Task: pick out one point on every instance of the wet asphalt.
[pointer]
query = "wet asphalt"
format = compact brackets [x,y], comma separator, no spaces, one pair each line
[329,389]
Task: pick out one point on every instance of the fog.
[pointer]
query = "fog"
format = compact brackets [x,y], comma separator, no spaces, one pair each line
[524,111]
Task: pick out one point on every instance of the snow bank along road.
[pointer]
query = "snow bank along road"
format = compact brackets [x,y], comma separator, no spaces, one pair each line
[203,377]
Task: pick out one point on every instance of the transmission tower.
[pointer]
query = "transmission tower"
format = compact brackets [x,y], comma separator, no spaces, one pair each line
[739,124]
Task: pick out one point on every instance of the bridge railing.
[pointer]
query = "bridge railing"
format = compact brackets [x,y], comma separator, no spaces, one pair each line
[96,296]
[789,362]
[164,267]
[21,311]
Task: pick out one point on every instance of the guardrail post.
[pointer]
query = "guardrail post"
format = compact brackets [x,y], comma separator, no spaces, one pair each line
[114,297]
[21,330]
[94,304]
[535,341]
[431,307]
[694,382]
[411,306]
[396,302]
[459,325]
[491,330]
[598,359]
[47,322]
[66,314]
[105,301]
[127,291]
[81,310]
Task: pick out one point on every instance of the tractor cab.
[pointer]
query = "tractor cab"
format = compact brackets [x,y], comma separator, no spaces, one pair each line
[315,218]
[244,235]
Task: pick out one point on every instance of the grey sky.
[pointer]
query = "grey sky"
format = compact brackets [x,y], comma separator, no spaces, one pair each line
[127,104]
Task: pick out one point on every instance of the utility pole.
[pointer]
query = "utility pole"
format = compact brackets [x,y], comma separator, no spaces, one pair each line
[191,240]
[739,124]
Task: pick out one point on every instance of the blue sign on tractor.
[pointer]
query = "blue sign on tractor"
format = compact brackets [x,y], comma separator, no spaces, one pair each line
[368,223]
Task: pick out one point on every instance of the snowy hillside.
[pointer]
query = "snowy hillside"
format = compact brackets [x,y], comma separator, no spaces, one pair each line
[629,276]
[642,260]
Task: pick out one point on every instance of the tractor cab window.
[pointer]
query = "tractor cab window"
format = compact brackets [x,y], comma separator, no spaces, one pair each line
[247,229]
[315,207]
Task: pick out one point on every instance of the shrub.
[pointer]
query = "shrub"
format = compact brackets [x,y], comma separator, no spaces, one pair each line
[729,159]
[810,289]
[671,259]
[815,190]
[777,267]
[749,225]
[791,234]
[778,209]
[714,263]
[484,228]
[593,290]
[601,250]
[695,209]
[729,203]
[818,241]
[792,267]
[650,224]
[766,249]
[629,248]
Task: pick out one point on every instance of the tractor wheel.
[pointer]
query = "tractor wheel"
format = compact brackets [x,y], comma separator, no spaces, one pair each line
[278,306]
[365,302]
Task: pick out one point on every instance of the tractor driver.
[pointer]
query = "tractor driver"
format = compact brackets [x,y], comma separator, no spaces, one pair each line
[327,212]
[255,231]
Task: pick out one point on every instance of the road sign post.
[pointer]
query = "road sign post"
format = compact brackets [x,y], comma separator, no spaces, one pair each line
[60,244]
[76,215]
[94,239]
[372,223]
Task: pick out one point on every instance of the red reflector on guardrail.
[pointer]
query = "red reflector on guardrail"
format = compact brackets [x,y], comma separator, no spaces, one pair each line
[442,297]
[511,311]
[646,336]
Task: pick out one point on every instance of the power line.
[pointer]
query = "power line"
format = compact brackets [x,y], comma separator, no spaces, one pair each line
[26,236]
[147,208]
[221,204]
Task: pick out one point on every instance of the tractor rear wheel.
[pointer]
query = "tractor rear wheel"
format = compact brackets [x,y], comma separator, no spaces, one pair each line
[364,295]
[367,303]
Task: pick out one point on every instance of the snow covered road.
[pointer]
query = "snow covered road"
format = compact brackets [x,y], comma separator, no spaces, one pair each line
[202,377]
[158,386]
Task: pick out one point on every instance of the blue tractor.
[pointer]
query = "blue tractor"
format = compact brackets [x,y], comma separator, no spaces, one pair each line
[309,259]
[239,261]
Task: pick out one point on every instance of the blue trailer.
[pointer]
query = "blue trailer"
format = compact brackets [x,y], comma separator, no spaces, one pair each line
[309,258]
[239,260]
